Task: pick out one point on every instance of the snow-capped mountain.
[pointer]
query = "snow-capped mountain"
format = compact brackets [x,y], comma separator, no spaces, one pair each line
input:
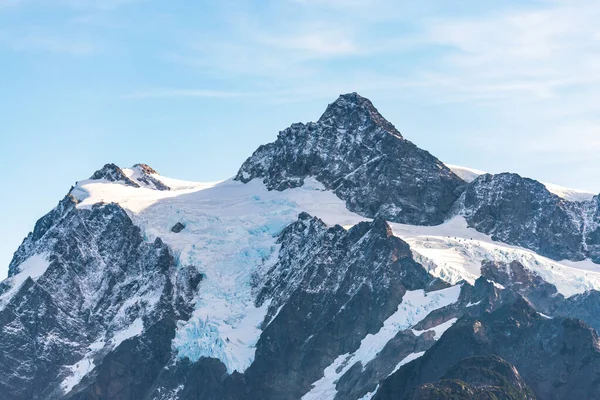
[341,262]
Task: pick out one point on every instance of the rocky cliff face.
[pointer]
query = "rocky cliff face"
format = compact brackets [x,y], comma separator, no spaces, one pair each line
[359,155]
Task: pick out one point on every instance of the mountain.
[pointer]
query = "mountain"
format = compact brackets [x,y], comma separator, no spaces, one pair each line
[341,262]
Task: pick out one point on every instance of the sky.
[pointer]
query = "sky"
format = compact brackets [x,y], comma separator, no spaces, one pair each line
[193,87]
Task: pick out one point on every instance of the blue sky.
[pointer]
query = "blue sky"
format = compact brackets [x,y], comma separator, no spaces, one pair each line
[193,87]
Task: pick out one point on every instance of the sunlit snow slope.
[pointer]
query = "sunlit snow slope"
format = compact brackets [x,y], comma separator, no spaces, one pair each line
[229,236]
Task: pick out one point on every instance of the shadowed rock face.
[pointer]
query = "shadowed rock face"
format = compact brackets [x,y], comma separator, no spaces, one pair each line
[355,152]
[554,356]
[478,378]
[331,287]
[542,295]
[523,212]
[178,227]
[132,368]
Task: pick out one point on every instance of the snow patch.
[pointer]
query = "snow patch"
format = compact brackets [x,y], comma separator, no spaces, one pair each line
[497,285]
[452,251]
[407,359]
[78,371]
[370,395]
[34,267]
[415,306]
[135,329]
[438,329]
[569,194]
[473,304]
[466,174]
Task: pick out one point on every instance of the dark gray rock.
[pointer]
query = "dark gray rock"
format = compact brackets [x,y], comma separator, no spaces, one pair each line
[528,284]
[205,379]
[178,227]
[585,306]
[355,152]
[477,378]
[144,178]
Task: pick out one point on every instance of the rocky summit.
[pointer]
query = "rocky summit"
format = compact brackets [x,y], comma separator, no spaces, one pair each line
[361,157]
[342,262]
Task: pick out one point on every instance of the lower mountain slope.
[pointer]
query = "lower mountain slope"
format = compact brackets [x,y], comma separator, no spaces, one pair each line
[557,357]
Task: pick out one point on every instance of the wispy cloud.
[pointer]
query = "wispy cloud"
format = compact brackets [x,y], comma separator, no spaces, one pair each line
[48,43]
[315,44]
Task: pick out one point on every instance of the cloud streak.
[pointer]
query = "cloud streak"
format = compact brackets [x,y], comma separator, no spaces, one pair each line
[202,93]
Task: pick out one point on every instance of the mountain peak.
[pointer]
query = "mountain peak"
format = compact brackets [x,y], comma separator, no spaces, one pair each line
[111,172]
[352,110]
[145,168]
